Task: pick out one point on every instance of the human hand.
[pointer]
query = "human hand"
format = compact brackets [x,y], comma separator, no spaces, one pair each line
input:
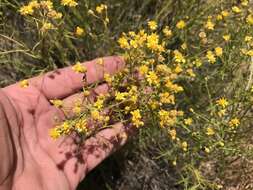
[31,159]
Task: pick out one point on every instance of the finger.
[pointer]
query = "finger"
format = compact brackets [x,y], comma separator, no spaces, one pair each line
[61,83]
[94,151]
[97,148]
[76,103]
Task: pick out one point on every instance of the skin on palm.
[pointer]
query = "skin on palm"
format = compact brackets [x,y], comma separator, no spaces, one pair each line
[32,159]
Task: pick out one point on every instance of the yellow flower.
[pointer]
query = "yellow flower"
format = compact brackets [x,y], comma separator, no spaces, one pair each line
[219,17]
[100,61]
[191,73]
[99,104]
[226,37]
[120,96]
[209,25]
[188,121]
[236,9]
[91,12]
[184,146]
[153,104]
[57,103]
[134,43]
[152,25]
[54,133]
[234,122]
[81,126]
[221,144]
[178,57]
[250,53]
[222,102]
[184,46]
[29,9]
[79,31]
[152,78]
[197,62]
[178,69]
[166,119]
[210,131]
[95,115]
[123,42]
[249,19]
[66,128]
[101,8]
[181,24]
[70,3]
[86,93]
[167,32]
[218,51]
[207,150]
[173,87]
[24,83]
[202,35]
[224,13]
[47,26]
[248,38]
[53,14]
[163,69]
[26,10]
[108,78]
[166,98]
[173,134]
[143,69]
[245,2]
[136,118]
[79,68]
[34,4]
[46,5]
[153,42]
[210,56]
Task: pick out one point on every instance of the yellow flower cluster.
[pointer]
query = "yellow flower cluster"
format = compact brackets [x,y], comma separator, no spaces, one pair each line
[136,118]
[236,9]
[152,25]
[101,8]
[57,103]
[211,56]
[181,24]
[29,9]
[235,122]
[47,26]
[79,31]
[46,6]
[210,131]
[226,37]
[168,118]
[24,83]
[79,68]
[167,32]
[70,3]
[222,102]
[249,19]
[141,39]
[209,25]
[178,57]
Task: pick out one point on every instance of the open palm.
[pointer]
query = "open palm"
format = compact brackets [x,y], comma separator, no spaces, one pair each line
[37,161]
